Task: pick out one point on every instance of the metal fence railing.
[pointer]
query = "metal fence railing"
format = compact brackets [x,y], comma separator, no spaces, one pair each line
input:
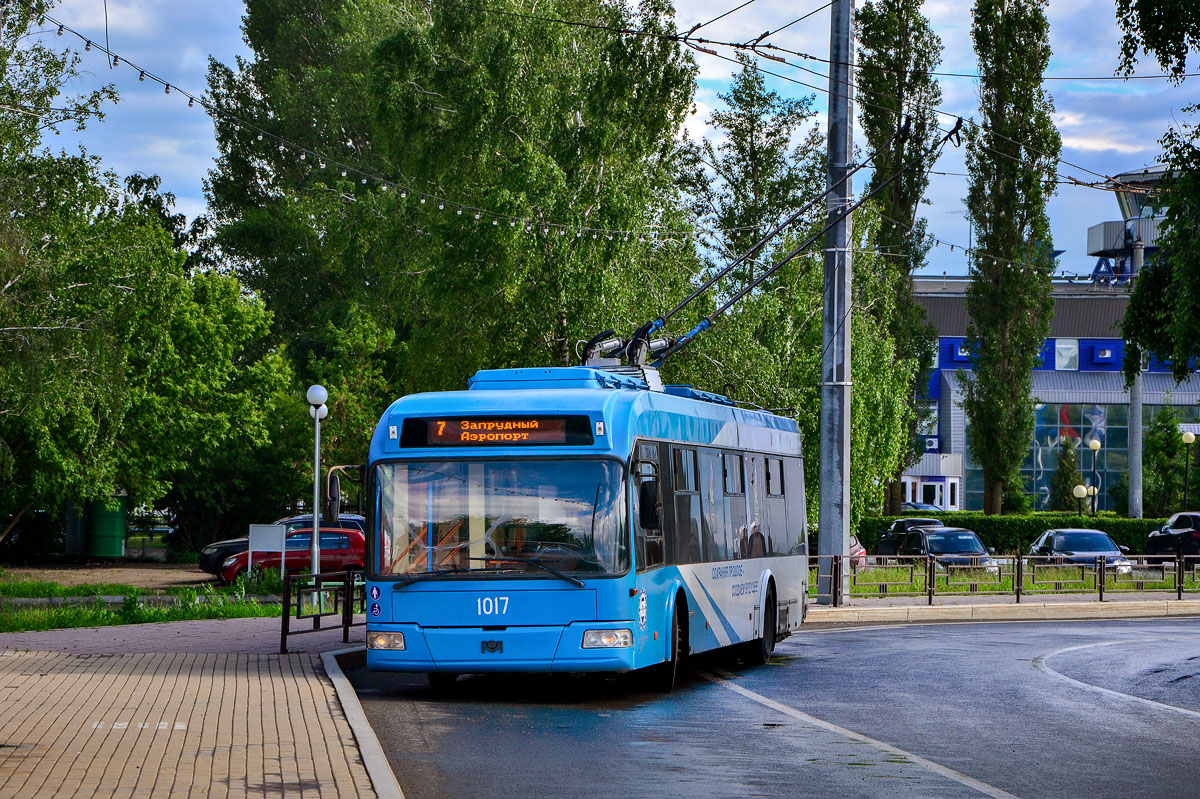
[339,595]
[839,578]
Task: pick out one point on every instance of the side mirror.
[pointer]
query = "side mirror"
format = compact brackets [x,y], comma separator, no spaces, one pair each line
[1123,548]
[991,550]
[648,505]
[333,500]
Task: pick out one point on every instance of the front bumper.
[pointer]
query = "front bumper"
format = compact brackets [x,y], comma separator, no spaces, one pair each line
[464,650]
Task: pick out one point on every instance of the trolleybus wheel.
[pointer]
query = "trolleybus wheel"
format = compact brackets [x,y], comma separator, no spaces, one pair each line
[759,652]
[441,680]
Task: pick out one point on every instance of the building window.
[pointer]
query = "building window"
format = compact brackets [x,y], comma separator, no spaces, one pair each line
[1066,354]
[927,423]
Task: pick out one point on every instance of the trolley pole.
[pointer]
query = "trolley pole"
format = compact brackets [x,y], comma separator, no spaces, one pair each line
[834,523]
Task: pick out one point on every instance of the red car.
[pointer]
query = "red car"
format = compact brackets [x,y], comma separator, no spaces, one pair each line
[341,549]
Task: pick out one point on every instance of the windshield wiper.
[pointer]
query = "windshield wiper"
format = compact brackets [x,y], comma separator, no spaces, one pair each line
[536,562]
[419,576]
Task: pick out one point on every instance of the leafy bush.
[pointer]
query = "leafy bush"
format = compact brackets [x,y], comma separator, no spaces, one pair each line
[1015,533]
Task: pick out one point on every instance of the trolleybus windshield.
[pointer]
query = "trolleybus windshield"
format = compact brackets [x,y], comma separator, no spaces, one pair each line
[501,518]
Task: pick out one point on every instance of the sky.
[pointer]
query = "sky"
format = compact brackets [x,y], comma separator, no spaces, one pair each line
[1106,126]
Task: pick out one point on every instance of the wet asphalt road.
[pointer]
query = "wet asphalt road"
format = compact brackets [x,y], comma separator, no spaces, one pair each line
[1063,709]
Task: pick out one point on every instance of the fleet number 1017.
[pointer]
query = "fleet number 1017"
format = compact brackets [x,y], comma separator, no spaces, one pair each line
[489,606]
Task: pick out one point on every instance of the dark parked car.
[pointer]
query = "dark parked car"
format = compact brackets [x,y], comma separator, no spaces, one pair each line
[1179,536]
[213,555]
[950,545]
[340,549]
[889,539]
[925,506]
[1082,546]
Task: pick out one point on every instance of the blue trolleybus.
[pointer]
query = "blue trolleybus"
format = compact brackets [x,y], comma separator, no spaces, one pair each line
[575,519]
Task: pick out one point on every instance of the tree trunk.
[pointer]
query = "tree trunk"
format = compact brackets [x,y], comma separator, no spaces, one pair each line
[13,521]
[894,499]
[564,346]
[993,496]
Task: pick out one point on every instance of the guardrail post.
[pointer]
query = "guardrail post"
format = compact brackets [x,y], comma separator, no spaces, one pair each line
[835,582]
[287,609]
[1179,576]
[930,577]
[347,605]
[1019,575]
[1101,576]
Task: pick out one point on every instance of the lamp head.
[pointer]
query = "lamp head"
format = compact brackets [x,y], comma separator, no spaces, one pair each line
[1094,444]
[317,395]
[1079,491]
[318,412]
[1189,438]
[1091,491]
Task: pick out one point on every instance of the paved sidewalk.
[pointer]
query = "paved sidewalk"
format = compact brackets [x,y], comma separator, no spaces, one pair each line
[184,709]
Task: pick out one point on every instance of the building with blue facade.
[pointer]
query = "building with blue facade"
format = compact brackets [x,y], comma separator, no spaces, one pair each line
[1079,389]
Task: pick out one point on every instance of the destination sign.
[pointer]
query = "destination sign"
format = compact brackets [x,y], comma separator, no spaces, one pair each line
[449,432]
[492,431]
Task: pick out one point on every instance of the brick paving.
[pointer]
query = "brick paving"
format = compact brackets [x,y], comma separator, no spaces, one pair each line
[185,709]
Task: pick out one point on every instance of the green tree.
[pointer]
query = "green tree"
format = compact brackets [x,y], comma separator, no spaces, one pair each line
[897,52]
[1065,477]
[1159,319]
[1011,158]
[378,292]
[1167,29]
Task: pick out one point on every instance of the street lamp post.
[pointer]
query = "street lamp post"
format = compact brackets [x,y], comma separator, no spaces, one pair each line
[1094,446]
[1080,492]
[318,410]
[1189,438]
[1094,493]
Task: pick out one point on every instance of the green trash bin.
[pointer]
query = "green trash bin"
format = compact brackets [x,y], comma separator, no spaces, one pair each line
[106,528]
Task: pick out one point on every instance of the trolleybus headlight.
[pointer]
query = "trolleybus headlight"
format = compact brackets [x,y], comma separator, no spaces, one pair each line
[229,561]
[607,639]
[385,640]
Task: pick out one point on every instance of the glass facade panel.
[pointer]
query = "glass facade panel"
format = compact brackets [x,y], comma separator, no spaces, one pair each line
[1081,422]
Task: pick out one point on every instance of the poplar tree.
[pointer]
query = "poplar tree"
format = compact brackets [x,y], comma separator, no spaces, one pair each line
[897,52]
[1011,159]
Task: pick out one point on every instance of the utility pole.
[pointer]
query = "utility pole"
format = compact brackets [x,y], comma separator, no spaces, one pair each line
[834,524]
[1135,406]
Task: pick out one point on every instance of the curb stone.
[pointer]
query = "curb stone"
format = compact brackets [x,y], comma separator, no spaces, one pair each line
[1006,612]
[382,777]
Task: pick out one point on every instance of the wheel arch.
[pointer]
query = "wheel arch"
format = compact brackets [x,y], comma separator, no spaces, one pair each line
[766,583]
[675,596]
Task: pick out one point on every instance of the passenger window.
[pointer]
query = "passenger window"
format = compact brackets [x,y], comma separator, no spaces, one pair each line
[733,473]
[685,470]
[685,523]
[774,477]
[713,506]
[649,544]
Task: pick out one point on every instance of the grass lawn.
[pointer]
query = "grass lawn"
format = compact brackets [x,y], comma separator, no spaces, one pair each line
[96,614]
[1045,579]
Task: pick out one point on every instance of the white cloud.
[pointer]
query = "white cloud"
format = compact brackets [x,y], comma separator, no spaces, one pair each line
[1107,144]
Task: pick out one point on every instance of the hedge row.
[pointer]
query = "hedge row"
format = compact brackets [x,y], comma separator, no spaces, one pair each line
[1016,533]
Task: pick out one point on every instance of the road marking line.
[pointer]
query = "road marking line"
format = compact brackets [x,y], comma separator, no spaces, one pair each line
[724,679]
[1039,663]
